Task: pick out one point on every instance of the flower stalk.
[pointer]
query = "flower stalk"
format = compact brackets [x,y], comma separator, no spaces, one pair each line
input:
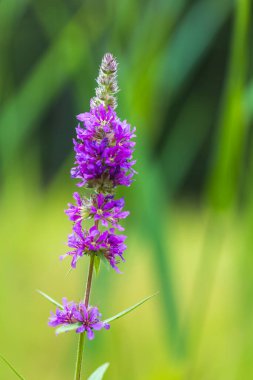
[89,281]
[79,357]
[80,349]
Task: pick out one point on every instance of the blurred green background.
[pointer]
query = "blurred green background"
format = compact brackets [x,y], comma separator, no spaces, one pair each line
[185,73]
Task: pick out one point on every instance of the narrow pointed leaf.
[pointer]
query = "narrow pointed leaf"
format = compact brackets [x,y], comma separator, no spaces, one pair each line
[124,312]
[105,261]
[97,261]
[63,329]
[12,368]
[69,271]
[50,299]
[99,373]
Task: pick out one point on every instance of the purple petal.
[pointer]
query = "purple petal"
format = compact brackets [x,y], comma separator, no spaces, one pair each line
[98,326]
[93,313]
[90,334]
[81,117]
[80,329]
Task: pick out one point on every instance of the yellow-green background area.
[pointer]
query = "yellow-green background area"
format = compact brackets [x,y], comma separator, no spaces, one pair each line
[185,73]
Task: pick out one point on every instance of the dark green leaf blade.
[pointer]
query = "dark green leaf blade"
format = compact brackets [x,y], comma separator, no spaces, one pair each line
[12,368]
[131,308]
[66,328]
[50,299]
[99,373]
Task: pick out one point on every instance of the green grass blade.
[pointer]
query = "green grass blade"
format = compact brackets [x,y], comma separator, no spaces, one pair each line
[50,299]
[128,310]
[248,101]
[99,373]
[150,218]
[70,48]
[187,45]
[189,133]
[222,186]
[12,368]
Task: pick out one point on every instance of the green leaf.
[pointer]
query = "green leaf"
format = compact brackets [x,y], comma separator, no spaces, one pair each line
[124,312]
[13,369]
[105,261]
[97,261]
[50,299]
[99,373]
[63,329]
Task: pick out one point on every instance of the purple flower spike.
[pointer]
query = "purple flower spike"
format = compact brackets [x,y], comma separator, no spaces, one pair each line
[104,147]
[89,318]
[103,160]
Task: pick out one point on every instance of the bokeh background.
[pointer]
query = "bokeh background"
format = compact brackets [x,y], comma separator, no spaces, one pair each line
[185,73]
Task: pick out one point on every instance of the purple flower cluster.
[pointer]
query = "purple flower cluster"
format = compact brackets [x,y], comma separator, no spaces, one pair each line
[88,319]
[103,208]
[95,242]
[104,150]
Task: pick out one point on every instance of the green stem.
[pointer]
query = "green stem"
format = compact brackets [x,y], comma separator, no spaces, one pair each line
[79,358]
[89,280]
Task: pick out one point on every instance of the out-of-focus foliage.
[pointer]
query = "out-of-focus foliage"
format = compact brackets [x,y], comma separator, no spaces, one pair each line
[185,73]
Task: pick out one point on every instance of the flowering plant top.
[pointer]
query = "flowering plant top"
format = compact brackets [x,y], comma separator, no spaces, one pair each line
[103,160]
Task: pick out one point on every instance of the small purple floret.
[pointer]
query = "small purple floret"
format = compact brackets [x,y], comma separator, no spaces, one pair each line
[89,318]
[106,209]
[75,212]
